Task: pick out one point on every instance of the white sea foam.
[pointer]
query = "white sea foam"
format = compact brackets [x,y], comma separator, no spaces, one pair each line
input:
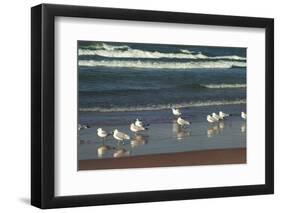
[135,53]
[126,52]
[223,86]
[162,106]
[104,46]
[187,51]
[114,47]
[161,64]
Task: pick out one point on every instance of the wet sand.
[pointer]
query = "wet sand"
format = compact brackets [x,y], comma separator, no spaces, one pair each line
[191,158]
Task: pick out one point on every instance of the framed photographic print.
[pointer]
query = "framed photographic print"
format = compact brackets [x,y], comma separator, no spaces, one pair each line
[140,106]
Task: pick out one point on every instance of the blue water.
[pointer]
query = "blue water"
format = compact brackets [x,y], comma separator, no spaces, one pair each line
[134,77]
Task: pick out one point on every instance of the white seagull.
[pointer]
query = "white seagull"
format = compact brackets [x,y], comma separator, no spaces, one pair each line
[139,123]
[223,115]
[215,116]
[210,119]
[102,133]
[182,122]
[243,115]
[120,136]
[176,112]
[136,128]
[80,127]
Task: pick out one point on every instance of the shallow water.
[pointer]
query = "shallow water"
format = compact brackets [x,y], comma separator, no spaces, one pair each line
[163,135]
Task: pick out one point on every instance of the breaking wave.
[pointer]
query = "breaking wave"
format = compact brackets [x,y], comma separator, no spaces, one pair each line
[162,64]
[162,106]
[127,52]
[224,86]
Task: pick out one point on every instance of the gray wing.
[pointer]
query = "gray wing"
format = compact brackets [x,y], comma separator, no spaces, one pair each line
[140,128]
[122,135]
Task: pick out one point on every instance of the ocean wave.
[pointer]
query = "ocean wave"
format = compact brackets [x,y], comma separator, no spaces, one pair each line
[104,46]
[127,52]
[162,64]
[224,86]
[114,47]
[162,106]
[134,89]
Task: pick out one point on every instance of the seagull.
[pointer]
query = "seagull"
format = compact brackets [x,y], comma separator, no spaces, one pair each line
[120,136]
[136,128]
[80,127]
[139,123]
[102,133]
[176,112]
[215,116]
[210,119]
[243,115]
[222,115]
[182,122]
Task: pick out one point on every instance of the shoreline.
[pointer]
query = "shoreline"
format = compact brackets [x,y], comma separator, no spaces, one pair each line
[191,158]
[195,113]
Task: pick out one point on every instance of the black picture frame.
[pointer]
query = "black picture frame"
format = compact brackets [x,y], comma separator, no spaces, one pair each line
[43,117]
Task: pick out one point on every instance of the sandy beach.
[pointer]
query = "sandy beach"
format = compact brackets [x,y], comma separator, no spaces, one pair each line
[210,157]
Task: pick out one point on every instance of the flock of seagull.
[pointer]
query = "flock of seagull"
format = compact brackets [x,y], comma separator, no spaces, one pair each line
[136,126]
[139,126]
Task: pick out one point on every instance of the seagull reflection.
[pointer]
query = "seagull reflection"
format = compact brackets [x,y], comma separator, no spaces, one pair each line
[182,133]
[212,131]
[121,153]
[221,125]
[139,140]
[83,142]
[102,150]
[243,128]
[175,126]
[179,131]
